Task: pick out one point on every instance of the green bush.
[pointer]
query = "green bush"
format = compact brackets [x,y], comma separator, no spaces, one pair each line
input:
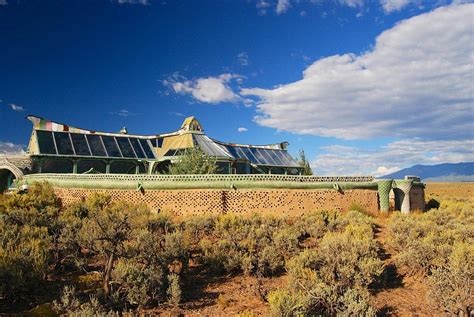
[451,286]
[254,245]
[332,279]
[138,283]
[24,258]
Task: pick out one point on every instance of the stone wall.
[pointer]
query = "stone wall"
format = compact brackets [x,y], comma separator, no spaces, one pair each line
[216,201]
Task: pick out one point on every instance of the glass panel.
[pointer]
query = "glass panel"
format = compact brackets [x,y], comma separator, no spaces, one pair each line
[63,143]
[159,142]
[91,166]
[45,142]
[268,158]
[249,154]
[170,153]
[240,153]
[56,165]
[121,167]
[277,157]
[96,145]
[137,148]
[232,151]
[111,146]
[146,147]
[288,159]
[258,155]
[125,147]
[80,144]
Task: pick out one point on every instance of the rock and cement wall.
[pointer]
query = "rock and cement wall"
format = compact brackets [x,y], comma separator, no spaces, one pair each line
[190,194]
[215,201]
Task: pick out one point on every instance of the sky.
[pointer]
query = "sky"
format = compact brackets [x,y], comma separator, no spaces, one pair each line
[364,87]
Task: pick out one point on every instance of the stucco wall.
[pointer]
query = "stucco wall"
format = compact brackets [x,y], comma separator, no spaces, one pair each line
[194,201]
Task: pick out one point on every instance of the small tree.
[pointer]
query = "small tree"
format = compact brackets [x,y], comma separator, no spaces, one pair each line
[303,162]
[194,161]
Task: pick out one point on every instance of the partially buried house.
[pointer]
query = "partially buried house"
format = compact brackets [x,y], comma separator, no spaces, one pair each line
[60,148]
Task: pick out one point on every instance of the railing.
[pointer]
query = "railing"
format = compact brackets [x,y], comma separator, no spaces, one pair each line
[201,178]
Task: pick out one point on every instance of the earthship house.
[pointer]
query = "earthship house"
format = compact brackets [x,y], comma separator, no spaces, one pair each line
[251,178]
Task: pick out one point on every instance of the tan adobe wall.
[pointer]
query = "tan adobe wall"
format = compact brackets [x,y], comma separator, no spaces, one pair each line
[196,201]
[417,198]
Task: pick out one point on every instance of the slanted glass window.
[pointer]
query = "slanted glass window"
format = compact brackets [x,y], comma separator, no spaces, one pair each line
[46,142]
[63,143]
[137,148]
[249,154]
[80,144]
[111,146]
[159,142]
[232,151]
[277,157]
[170,153]
[96,145]
[146,147]
[258,155]
[125,147]
[268,159]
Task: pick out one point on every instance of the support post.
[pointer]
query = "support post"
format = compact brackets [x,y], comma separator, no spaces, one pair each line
[384,186]
[402,195]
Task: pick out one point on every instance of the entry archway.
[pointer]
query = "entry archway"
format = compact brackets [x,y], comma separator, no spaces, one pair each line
[8,173]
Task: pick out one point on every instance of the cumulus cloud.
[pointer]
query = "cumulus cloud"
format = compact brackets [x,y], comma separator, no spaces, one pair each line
[415,82]
[16,107]
[394,5]
[282,6]
[262,7]
[8,148]
[242,129]
[211,90]
[345,160]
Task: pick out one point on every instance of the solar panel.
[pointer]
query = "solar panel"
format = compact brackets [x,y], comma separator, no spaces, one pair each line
[45,142]
[137,147]
[96,145]
[63,143]
[80,144]
[125,147]
[111,146]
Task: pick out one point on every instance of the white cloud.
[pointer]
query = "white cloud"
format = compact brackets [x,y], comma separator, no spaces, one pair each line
[142,2]
[211,90]
[262,7]
[3,2]
[282,6]
[123,113]
[344,160]
[352,3]
[415,82]
[8,148]
[242,129]
[243,59]
[394,5]
[17,107]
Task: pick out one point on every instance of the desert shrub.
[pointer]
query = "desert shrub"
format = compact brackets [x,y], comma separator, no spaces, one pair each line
[315,224]
[174,289]
[70,303]
[332,279]
[255,244]
[197,227]
[24,257]
[138,283]
[39,207]
[451,286]
[425,242]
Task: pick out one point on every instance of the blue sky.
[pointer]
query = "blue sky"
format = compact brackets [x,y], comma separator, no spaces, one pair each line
[364,87]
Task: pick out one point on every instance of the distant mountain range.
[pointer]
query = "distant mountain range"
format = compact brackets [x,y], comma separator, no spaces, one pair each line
[447,172]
